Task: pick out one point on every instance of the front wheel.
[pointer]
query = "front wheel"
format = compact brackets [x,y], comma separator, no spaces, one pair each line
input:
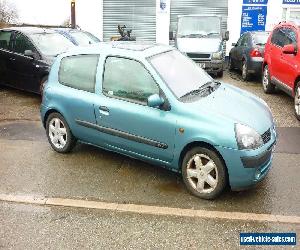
[297,101]
[204,173]
[59,134]
[268,86]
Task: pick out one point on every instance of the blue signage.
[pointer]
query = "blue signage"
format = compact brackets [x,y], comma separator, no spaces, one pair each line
[255,2]
[291,1]
[253,18]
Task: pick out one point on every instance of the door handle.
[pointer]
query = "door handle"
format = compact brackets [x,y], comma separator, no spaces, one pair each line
[12,59]
[104,110]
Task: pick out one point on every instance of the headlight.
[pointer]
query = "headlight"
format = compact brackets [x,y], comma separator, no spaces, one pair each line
[217,56]
[247,138]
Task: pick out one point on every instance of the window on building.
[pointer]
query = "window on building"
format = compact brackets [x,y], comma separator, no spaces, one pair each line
[79,72]
[128,79]
[5,39]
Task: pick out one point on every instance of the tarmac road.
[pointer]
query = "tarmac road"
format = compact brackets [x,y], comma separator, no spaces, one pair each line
[28,166]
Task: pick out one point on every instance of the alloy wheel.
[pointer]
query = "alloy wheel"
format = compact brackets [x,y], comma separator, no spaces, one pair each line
[266,78]
[202,173]
[57,133]
[244,70]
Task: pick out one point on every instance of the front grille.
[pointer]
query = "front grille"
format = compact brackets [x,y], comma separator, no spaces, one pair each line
[266,136]
[198,56]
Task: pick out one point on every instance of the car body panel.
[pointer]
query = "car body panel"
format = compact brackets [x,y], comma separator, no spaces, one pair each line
[156,135]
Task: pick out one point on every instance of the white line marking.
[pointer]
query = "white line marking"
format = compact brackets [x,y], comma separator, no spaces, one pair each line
[151,210]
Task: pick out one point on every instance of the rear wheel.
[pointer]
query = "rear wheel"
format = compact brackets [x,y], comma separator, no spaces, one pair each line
[297,101]
[245,73]
[59,134]
[204,173]
[268,86]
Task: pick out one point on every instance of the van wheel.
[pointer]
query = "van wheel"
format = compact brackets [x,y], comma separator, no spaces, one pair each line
[268,86]
[59,134]
[204,173]
[297,101]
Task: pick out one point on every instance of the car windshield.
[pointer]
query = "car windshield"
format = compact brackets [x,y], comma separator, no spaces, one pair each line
[51,44]
[260,38]
[84,38]
[180,73]
[198,26]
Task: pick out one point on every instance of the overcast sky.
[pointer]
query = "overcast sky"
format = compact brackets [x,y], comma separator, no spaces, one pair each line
[43,11]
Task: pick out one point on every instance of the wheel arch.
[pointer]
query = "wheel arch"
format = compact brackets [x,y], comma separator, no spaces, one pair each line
[295,84]
[203,144]
[49,112]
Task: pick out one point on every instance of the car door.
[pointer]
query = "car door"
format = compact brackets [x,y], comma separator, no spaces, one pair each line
[242,50]
[275,51]
[126,121]
[289,63]
[25,68]
[234,52]
[76,95]
[5,57]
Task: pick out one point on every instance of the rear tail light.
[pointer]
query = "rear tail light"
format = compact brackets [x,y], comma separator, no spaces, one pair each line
[255,53]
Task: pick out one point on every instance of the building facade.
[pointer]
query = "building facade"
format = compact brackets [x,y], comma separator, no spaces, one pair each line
[151,20]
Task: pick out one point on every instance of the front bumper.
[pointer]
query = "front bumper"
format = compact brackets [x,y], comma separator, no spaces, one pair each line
[213,66]
[246,168]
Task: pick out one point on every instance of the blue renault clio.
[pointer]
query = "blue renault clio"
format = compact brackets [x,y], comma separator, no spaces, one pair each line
[152,103]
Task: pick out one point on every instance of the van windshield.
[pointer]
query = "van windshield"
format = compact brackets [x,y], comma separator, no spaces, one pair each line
[198,26]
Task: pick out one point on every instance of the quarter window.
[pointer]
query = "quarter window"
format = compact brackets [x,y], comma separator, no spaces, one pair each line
[5,39]
[79,72]
[128,79]
[22,44]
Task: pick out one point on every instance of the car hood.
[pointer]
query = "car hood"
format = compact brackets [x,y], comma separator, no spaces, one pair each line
[238,106]
[199,45]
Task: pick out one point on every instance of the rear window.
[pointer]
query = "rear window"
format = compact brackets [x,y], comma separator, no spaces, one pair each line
[4,39]
[260,39]
[79,72]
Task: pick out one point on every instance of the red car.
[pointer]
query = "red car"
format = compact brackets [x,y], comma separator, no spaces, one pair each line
[281,67]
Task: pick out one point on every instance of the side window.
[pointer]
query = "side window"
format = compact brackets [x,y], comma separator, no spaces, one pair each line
[275,37]
[239,43]
[22,43]
[245,40]
[5,39]
[128,79]
[79,72]
[290,36]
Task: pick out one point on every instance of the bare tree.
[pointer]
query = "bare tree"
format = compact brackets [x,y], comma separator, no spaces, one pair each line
[8,12]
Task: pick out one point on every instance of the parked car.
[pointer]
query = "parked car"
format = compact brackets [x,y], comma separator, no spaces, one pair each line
[282,62]
[26,54]
[248,53]
[201,38]
[152,103]
[78,37]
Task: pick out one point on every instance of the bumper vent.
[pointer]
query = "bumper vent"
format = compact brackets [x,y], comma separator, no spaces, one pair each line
[198,56]
[266,136]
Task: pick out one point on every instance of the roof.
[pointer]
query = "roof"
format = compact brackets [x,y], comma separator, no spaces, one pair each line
[30,30]
[135,49]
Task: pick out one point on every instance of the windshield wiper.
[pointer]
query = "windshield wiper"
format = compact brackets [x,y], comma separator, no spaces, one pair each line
[210,86]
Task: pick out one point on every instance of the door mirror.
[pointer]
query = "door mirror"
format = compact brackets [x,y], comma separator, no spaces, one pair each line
[155,101]
[30,53]
[234,44]
[225,35]
[289,49]
[172,35]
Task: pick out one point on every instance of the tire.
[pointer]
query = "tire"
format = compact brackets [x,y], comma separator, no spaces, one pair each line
[210,170]
[42,84]
[220,74]
[230,64]
[297,101]
[59,134]
[245,73]
[268,86]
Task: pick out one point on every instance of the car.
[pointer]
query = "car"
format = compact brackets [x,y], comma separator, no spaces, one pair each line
[26,54]
[281,64]
[247,54]
[78,37]
[153,103]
